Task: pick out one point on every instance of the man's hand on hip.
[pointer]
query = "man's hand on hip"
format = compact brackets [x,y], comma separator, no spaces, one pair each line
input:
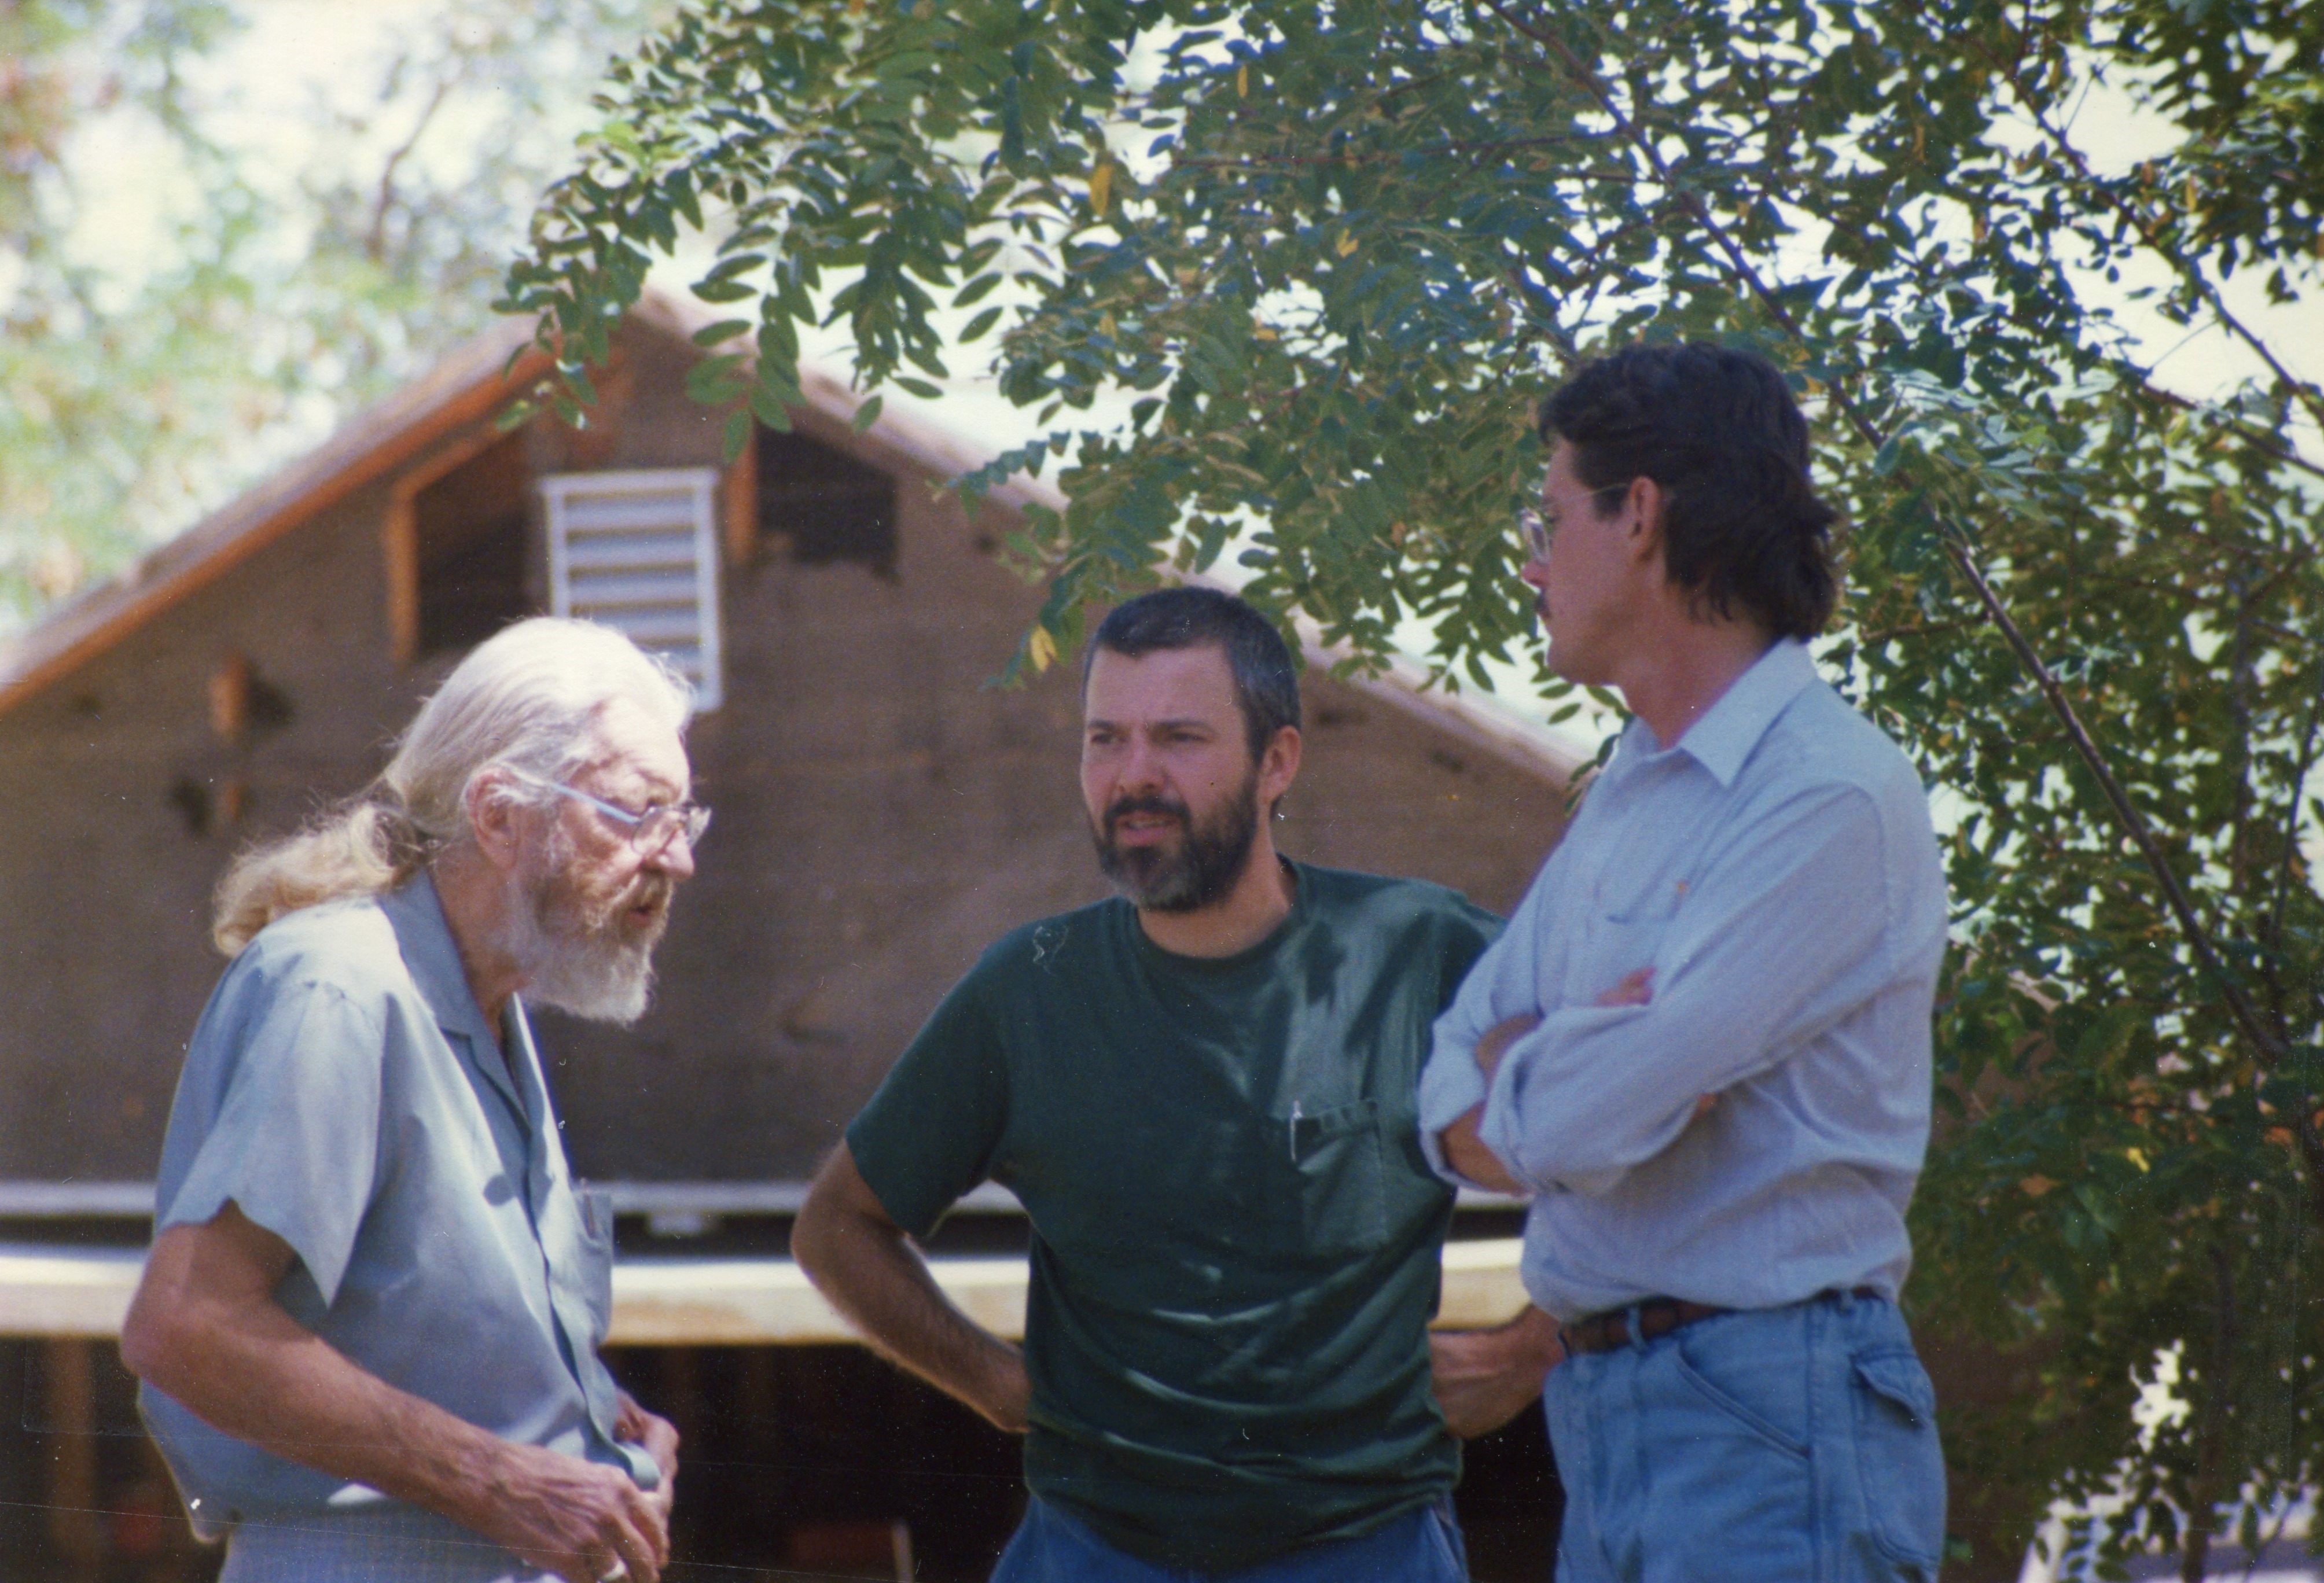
[1008,1396]
[862,1262]
[1484,1378]
[583,1520]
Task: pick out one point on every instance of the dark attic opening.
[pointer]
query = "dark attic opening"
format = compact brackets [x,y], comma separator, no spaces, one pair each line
[472,528]
[826,506]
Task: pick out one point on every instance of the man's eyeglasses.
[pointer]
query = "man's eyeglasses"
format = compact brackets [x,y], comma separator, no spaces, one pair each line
[1537,530]
[649,829]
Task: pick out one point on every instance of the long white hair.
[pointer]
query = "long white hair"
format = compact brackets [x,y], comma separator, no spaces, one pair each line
[528,698]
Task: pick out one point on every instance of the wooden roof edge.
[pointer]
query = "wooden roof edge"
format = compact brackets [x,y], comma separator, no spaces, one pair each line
[465,387]
[1486,727]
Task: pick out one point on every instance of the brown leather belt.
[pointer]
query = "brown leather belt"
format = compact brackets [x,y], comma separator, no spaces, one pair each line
[1657,1317]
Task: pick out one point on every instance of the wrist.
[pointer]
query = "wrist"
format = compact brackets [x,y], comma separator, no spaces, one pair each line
[476,1480]
[1007,1388]
[1537,1338]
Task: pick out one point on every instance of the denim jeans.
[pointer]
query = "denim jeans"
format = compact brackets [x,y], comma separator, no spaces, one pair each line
[1796,1443]
[1420,1547]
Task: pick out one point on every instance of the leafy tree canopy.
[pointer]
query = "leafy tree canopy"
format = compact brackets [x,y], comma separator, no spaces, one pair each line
[295,270]
[1334,253]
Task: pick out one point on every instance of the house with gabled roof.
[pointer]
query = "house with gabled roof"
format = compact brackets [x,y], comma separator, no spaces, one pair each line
[882,812]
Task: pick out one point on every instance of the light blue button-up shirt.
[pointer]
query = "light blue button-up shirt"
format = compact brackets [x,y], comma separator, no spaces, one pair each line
[1776,870]
[344,1088]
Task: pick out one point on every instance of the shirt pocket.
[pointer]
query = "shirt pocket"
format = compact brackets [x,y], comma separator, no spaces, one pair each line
[1324,1179]
[594,1209]
[1617,945]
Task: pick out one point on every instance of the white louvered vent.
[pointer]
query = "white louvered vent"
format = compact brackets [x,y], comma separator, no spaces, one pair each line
[639,551]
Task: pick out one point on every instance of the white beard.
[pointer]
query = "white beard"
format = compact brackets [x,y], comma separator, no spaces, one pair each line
[588,968]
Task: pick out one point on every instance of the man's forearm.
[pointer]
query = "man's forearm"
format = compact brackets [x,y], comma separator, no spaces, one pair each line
[1466,1152]
[204,1329]
[260,1376]
[863,1265]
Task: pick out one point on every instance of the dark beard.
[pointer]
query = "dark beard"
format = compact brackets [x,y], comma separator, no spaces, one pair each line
[1199,871]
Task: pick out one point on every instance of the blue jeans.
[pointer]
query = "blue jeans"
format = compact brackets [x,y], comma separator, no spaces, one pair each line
[1419,1547]
[1795,1443]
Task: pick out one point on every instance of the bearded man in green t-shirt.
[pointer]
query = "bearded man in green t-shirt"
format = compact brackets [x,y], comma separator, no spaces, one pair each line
[1204,1094]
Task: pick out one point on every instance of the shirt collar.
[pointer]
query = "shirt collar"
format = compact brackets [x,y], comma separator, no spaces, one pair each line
[433,957]
[1723,738]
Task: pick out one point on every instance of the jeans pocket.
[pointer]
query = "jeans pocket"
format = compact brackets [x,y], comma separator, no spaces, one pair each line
[1451,1548]
[1899,1465]
[1727,1403]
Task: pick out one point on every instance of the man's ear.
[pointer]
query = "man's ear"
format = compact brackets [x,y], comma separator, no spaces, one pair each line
[494,820]
[1279,766]
[1647,502]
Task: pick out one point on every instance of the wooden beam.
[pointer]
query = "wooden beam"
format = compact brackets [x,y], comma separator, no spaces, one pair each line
[696,1302]
[398,538]
[741,503]
[76,1526]
[399,547]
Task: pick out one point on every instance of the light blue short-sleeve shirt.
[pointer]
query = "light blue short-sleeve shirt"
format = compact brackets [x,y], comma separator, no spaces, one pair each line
[345,1091]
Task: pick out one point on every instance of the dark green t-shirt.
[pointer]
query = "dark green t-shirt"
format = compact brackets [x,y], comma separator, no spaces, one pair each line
[1236,1238]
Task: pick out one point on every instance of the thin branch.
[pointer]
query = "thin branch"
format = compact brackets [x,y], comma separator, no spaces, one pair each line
[2258,438]
[1257,162]
[2287,858]
[375,237]
[1910,630]
[2152,235]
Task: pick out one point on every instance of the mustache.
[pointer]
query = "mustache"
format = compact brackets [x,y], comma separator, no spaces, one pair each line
[1169,807]
[654,890]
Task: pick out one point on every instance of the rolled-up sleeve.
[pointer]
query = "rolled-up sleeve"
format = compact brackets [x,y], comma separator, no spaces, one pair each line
[1499,985]
[1451,1086]
[294,1139]
[1761,949]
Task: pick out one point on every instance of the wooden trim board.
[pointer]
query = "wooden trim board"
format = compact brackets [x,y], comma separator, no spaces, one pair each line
[52,1292]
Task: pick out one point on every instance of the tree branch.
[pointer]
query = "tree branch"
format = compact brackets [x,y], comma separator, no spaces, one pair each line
[375,236]
[2159,244]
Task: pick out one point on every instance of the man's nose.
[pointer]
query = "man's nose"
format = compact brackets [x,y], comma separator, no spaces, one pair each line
[1141,766]
[674,857]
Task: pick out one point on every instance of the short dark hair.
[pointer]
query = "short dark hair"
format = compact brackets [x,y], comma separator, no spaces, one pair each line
[1718,429]
[1265,682]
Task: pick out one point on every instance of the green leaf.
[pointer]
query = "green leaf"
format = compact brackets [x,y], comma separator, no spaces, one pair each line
[866,415]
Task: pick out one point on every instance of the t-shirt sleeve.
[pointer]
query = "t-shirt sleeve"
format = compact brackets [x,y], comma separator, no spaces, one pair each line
[1465,931]
[930,1133]
[294,1138]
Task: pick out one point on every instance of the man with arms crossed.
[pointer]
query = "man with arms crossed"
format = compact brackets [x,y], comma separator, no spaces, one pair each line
[1204,1095]
[368,1328]
[1703,1044]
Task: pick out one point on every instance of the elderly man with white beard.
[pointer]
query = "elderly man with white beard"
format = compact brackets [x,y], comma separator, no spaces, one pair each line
[368,1328]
